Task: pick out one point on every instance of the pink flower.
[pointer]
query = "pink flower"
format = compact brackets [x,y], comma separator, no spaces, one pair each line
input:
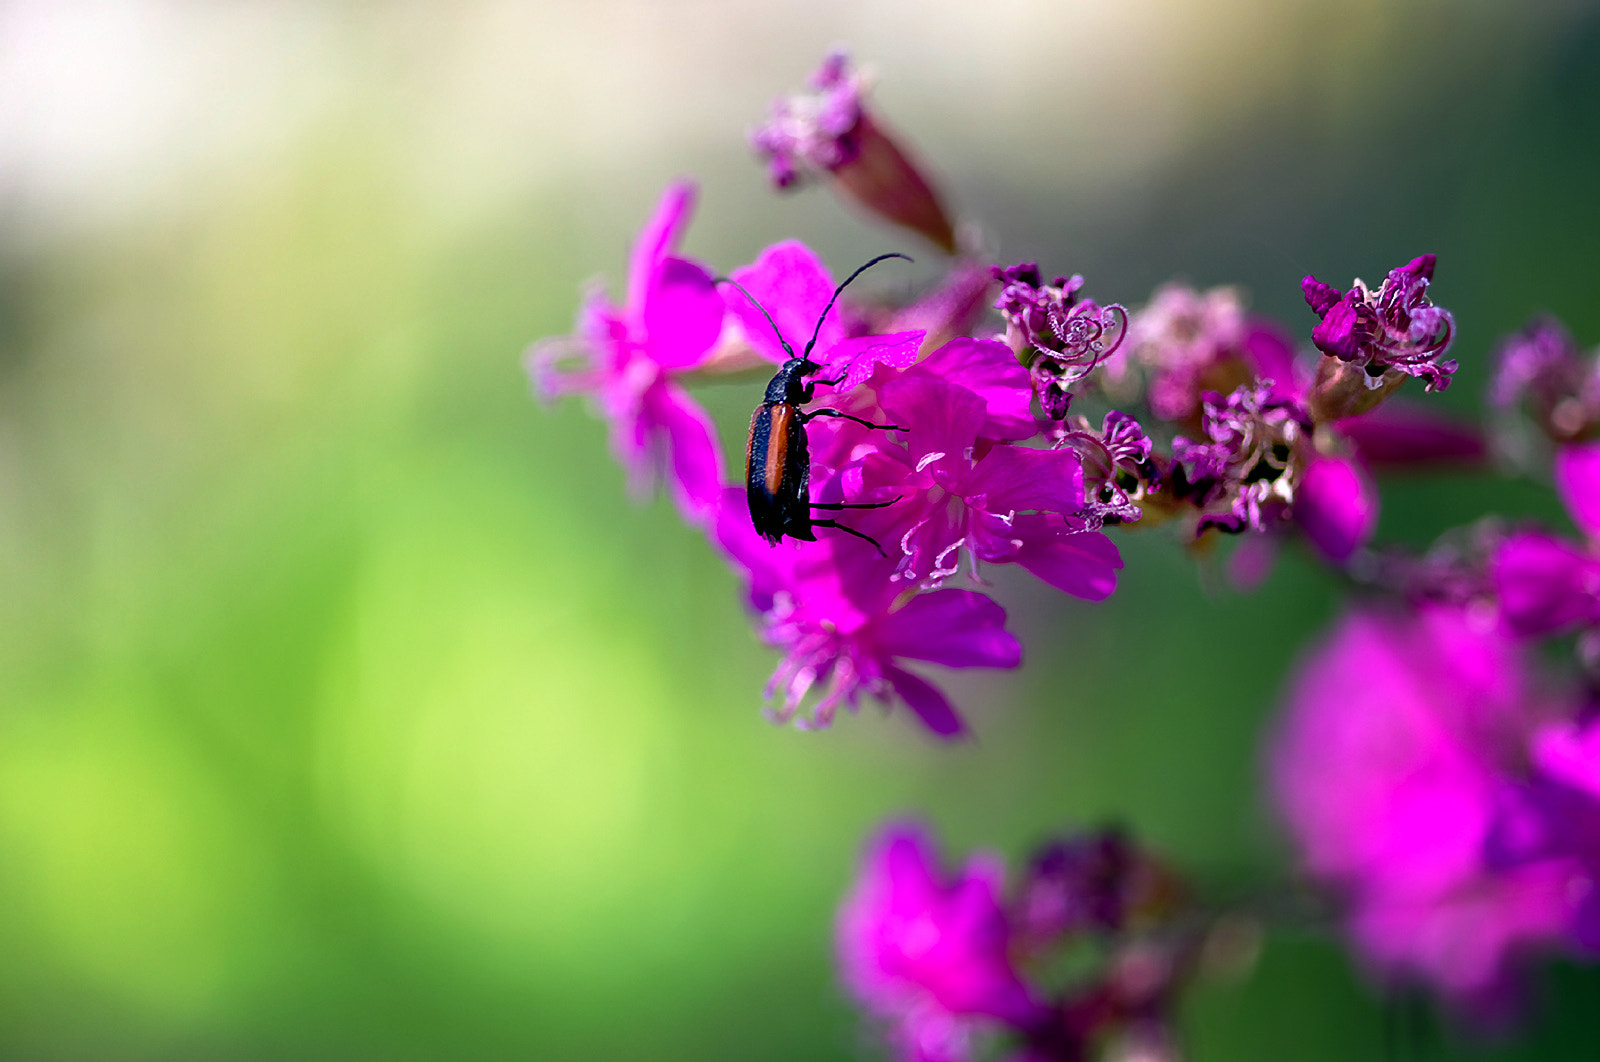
[845,627]
[1061,336]
[1393,769]
[962,490]
[626,358]
[929,953]
[1542,369]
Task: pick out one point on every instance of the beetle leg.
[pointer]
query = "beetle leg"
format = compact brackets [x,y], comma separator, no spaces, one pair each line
[850,531]
[829,412]
[854,505]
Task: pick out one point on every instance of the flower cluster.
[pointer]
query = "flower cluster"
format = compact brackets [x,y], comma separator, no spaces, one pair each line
[1440,777]
[926,443]
[957,481]
[945,961]
[1189,342]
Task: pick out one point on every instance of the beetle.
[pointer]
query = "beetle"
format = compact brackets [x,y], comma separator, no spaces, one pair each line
[777,457]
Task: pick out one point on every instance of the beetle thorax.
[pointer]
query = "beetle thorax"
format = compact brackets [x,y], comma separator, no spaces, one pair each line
[788,384]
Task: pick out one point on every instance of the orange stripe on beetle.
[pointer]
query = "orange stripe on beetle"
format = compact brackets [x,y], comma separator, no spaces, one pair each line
[777,444]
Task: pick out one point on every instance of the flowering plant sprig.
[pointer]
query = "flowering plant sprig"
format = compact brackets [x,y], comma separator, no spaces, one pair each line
[1439,776]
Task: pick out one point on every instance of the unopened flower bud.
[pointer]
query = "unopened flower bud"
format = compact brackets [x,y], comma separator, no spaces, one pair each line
[828,131]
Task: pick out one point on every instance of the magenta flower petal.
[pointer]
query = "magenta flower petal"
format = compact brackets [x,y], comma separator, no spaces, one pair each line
[856,359]
[1566,805]
[1570,754]
[1578,482]
[989,369]
[766,570]
[1346,330]
[927,951]
[1335,506]
[928,702]
[691,449]
[682,314]
[1350,747]
[1471,945]
[942,418]
[1081,563]
[1545,584]
[625,359]
[659,235]
[1398,434]
[956,628]
[791,282]
[1018,479]
[1319,296]
[1270,352]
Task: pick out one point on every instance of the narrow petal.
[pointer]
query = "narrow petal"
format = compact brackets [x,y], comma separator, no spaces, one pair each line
[694,464]
[929,704]
[956,628]
[682,314]
[1081,563]
[1319,296]
[659,235]
[1398,434]
[791,283]
[1578,481]
[1545,584]
[766,568]
[1345,329]
[855,359]
[1335,506]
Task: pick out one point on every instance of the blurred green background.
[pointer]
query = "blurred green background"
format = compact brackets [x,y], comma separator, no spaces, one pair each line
[347,706]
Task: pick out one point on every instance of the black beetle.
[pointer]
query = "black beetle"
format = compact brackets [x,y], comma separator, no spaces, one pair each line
[777,461]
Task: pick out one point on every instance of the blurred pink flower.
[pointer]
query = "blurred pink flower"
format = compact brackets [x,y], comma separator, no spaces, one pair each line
[625,358]
[1393,769]
[1546,584]
[929,952]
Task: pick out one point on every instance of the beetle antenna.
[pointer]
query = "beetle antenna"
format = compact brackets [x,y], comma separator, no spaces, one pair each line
[787,349]
[840,290]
